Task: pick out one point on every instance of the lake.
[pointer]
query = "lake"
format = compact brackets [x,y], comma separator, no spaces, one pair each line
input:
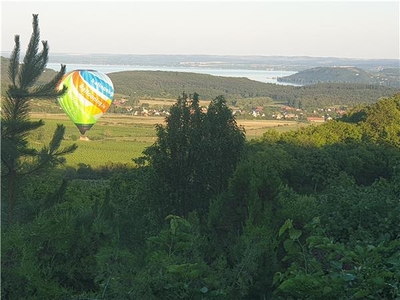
[257,75]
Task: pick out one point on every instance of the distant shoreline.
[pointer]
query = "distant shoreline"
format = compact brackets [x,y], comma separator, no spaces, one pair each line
[265,76]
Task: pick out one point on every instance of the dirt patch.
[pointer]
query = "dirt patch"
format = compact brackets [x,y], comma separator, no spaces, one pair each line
[258,124]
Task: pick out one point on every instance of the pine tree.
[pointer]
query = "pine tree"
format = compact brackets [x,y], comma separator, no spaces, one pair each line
[17,157]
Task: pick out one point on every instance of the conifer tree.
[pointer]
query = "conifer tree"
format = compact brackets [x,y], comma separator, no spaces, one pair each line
[195,154]
[17,157]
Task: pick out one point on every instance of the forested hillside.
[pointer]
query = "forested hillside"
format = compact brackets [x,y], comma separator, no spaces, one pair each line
[385,77]
[167,84]
[170,84]
[329,74]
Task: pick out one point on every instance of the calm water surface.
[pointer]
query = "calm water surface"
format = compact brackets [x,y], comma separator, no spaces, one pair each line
[257,75]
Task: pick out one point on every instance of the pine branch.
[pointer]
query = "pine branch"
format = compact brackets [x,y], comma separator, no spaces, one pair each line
[14,142]
[14,128]
[49,90]
[13,109]
[34,63]
[31,72]
[13,68]
[52,154]
[33,46]
[58,135]
[53,149]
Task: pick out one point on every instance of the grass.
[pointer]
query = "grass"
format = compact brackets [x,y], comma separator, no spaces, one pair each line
[120,138]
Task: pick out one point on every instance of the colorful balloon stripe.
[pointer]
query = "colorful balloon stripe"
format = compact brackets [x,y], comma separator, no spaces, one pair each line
[100,82]
[88,92]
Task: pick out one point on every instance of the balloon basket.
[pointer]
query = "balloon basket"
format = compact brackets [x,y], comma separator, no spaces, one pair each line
[84,138]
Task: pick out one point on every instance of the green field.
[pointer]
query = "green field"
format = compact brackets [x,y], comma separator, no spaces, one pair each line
[119,138]
[109,141]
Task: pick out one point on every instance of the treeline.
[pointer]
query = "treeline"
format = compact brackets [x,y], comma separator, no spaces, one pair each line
[334,94]
[206,215]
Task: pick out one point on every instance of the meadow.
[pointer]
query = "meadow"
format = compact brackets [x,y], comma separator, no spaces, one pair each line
[120,138]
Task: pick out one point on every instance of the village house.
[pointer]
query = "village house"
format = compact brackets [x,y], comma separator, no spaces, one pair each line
[291,116]
[277,116]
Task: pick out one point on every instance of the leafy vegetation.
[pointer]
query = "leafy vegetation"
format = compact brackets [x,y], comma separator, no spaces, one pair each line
[301,214]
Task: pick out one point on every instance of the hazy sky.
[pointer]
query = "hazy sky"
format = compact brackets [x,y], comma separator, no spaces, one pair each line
[350,29]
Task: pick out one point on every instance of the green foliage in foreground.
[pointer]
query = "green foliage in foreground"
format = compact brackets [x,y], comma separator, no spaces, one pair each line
[321,266]
[308,214]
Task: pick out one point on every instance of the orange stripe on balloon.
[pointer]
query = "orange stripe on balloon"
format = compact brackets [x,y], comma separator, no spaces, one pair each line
[86,91]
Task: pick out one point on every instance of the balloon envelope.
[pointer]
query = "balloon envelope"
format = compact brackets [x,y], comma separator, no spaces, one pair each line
[89,95]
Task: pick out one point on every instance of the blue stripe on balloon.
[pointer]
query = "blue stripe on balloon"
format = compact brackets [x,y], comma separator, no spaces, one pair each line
[88,75]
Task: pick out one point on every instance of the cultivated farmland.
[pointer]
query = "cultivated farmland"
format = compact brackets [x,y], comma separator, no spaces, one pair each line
[118,138]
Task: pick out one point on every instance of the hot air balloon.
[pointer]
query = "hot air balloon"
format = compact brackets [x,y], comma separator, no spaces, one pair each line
[89,95]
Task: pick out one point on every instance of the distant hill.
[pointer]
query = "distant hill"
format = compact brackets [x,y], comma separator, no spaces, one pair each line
[388,77]
[161,84]
[168,84]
